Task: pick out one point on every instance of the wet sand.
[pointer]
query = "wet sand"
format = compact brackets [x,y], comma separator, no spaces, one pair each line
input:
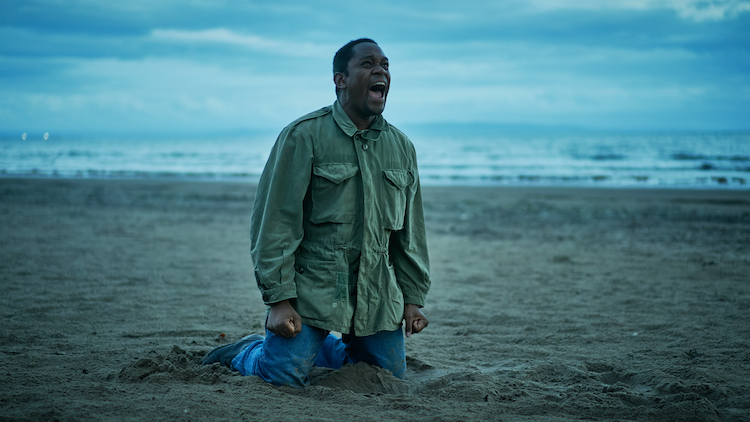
[553,304]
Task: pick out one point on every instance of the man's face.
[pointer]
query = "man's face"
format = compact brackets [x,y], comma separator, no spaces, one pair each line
[368,82]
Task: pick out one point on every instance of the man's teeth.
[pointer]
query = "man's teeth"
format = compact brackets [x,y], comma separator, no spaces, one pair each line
[378,86]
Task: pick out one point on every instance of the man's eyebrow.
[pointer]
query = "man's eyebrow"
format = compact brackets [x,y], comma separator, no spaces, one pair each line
[372,57]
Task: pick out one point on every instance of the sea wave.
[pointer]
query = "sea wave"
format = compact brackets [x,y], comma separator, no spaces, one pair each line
[678,160]
[702,157]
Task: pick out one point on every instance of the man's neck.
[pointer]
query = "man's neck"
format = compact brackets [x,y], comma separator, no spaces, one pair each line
[361,123]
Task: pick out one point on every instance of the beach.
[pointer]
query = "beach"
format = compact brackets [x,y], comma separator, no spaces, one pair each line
[554,304]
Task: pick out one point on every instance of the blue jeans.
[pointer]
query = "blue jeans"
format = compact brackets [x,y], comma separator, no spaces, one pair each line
[287,361]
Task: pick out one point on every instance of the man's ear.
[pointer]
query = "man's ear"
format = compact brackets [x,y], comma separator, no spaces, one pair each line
[340,80]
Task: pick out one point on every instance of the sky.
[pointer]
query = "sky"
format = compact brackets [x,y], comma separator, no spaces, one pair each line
[215,66]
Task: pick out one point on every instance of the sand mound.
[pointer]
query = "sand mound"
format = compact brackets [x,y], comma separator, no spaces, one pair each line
[177,366]
[361,378]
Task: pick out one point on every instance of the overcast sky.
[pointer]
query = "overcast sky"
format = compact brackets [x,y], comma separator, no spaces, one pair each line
[202,66]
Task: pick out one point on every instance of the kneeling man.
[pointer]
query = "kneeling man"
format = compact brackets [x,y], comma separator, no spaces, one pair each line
[338,236]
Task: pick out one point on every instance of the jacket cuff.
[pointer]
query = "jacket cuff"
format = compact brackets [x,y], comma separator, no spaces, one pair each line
[414,298]
[278,294]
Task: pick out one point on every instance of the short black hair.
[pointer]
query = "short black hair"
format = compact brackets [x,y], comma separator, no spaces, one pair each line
[345,53]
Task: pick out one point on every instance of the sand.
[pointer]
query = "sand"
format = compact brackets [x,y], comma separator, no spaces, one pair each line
[554,304]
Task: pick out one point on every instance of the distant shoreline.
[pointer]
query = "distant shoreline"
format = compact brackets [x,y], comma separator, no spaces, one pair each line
[426,184]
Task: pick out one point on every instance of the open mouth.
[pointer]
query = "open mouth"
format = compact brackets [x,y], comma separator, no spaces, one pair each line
[377,90]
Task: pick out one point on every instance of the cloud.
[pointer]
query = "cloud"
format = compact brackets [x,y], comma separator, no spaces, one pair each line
[710,10]
[253,42]
[697,10]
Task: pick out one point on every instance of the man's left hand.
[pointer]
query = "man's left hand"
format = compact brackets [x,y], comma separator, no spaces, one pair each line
[415,319]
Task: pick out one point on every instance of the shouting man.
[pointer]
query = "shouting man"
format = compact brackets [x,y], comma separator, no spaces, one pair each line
[338,237]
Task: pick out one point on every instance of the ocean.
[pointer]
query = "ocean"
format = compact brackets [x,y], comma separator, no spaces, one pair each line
[708,160]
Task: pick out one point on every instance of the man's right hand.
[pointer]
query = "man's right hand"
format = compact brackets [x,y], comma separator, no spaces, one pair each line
[283,320]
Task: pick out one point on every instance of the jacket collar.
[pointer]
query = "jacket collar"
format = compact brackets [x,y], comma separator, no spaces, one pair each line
[345,123]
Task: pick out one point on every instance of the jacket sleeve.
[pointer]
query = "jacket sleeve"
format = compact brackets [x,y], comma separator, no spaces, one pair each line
[408,247]
[276,222]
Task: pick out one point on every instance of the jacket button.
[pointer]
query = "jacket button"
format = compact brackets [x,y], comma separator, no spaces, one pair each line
[364,147]
[301,270]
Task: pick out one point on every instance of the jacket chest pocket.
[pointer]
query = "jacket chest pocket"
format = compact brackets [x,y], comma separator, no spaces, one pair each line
[394,198]
[334,193]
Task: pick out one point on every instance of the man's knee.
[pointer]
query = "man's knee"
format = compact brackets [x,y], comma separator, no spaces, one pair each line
[288,360]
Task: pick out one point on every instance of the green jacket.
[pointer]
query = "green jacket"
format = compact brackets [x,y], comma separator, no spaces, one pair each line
[338,226]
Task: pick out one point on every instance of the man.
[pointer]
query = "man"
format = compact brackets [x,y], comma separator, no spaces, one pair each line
[338,236]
